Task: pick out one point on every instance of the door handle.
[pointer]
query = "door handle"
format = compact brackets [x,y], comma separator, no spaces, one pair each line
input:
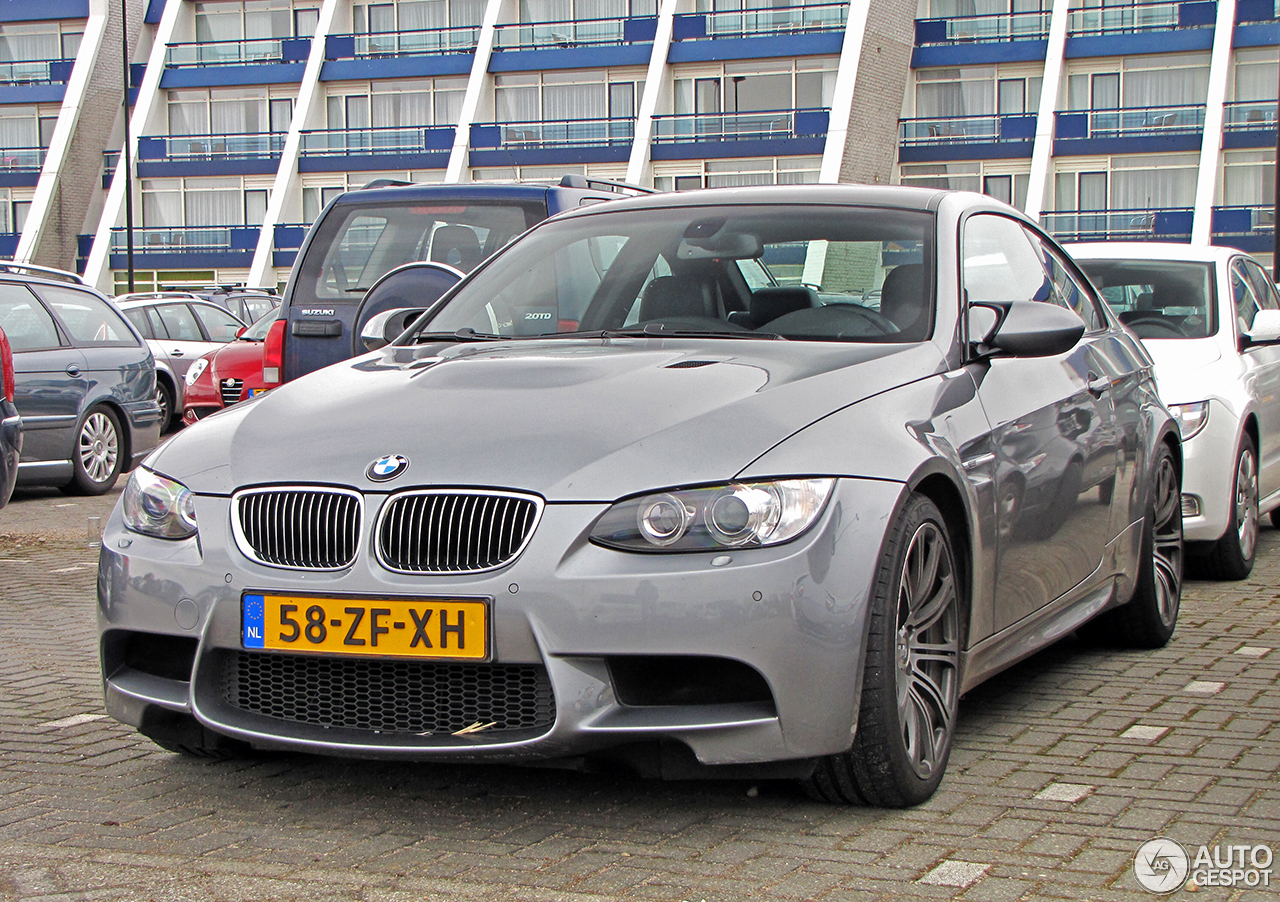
[73,369]
[1098,385]
[176,352]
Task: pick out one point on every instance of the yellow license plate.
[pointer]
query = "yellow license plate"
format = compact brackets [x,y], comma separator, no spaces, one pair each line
[394,627]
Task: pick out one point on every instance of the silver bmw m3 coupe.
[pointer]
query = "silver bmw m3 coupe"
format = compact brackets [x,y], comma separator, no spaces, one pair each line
[742,482]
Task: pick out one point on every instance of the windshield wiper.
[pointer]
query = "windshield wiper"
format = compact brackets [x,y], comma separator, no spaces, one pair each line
[659,330]
[464,334]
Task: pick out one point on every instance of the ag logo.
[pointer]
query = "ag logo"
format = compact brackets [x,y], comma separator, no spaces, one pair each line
[388,467]
[1161,865]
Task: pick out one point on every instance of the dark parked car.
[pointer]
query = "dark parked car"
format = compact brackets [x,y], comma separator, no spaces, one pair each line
[10,423]
[610,499]
[364,234]
[85,381]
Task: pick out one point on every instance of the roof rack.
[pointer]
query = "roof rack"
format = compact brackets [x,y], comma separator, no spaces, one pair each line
[385,183]
[48,272]
[574,180]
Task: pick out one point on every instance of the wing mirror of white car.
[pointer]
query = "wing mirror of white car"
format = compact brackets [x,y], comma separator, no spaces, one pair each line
[1028,328]
[385,327]
[1265,329]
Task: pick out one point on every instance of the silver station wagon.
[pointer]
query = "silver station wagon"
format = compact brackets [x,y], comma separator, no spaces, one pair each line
[743,482]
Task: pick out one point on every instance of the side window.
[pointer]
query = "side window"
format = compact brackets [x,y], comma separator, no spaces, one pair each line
[1067,292]
[179,322]
[218,323]
[999,262]
[25,321]
[89,319]
[1264,290]
[138,316]
[1242,296]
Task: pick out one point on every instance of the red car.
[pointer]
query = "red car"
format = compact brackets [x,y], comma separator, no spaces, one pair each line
[228,374]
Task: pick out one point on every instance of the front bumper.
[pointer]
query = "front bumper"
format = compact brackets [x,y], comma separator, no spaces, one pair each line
[1208,476]
[795,615]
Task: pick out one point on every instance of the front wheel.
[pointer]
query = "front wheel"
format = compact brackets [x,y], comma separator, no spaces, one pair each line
[911,688]
[96,459]
[1232,555]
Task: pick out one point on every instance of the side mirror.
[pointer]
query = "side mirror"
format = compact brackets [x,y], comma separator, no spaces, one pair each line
[411,288]
[241,331]
[383,328]
[1031,328]
[1266,328]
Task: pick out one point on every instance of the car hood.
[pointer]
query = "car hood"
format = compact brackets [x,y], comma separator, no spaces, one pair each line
[573,420]
[1180,365]
[236,359]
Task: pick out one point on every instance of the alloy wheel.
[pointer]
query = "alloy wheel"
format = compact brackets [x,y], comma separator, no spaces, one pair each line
[1166,558]
[1246,503]
[99,447]
[927,649]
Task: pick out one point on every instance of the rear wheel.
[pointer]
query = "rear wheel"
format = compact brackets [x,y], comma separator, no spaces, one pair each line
[164,397]
[910,690]
[1232,555]
[1148,619]
[97,457]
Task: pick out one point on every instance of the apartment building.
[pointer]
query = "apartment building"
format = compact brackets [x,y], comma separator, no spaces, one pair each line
[1104,119]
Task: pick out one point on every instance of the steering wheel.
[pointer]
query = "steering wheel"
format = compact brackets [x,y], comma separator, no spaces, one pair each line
[1154,322]
[832,321]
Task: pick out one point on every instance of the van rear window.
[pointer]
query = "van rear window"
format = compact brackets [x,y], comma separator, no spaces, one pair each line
[356,245]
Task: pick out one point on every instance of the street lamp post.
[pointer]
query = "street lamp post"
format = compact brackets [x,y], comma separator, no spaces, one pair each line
[124,155]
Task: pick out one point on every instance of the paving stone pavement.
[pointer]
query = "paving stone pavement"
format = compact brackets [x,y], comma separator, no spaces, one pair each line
[1062,767]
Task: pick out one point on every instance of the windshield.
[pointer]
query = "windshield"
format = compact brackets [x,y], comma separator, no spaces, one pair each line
[356,244]
[1157,298]
[258,331]
[799,272]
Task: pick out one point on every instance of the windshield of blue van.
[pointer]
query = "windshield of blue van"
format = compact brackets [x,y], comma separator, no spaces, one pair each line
[356,244]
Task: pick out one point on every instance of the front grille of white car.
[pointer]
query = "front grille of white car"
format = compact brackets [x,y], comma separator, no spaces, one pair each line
[454,530]
[299,527]
[231,389]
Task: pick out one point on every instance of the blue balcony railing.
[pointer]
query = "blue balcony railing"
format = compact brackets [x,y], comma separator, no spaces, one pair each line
[967,130]
[1018,26]
[567,133]
[35,72]
[1244,221]
[413,139]
[739,126]
[553,35]
[237,53]
[259,146]
[1122,225]
[424,42]
[22,159]
[188,239]
[1130,123]
[1249,115]
[1134,18]
[813,18]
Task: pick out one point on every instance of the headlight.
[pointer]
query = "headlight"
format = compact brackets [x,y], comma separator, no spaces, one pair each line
[740,514]
[196,369]
[160,507]
[1191,417]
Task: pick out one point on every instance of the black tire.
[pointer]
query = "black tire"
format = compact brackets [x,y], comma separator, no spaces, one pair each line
[164,397]
[1274,517]
[184,735]
[1232,555]
[907,715]
[97,457]
[1148,619]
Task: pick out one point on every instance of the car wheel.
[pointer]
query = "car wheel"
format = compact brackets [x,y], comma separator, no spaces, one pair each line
[910,690]
[1274,516]
[1232,555]
[1148,619]
[97,456]
[164,397]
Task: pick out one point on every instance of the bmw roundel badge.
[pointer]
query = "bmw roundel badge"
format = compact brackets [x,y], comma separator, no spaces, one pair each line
[388,467]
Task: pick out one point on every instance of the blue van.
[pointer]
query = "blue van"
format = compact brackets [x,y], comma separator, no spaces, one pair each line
[364,234]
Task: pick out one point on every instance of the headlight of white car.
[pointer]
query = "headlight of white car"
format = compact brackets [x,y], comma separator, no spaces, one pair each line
[196,369]
[735,515]
[157,506]
[1191,417]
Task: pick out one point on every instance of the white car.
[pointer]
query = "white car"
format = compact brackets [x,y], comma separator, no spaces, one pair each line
[1210,318]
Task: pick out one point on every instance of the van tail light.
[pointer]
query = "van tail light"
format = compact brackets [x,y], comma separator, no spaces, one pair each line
[6,364]
[273,353]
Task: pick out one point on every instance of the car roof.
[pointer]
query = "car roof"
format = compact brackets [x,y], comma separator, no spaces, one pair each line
[29,271]
[381,191]
[1167,251]
[132,303]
